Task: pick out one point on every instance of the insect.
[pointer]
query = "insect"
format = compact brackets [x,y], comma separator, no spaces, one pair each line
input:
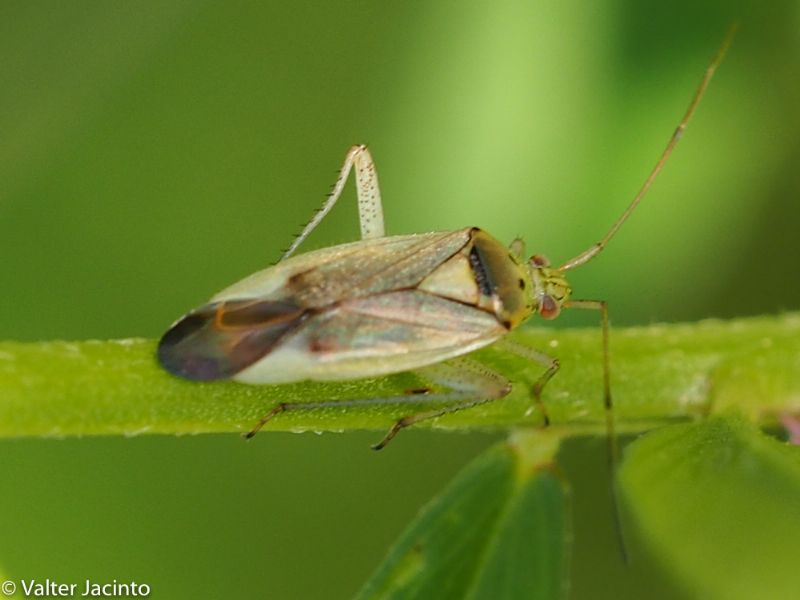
[387,304]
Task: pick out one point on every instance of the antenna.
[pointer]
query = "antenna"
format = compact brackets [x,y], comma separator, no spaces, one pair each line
[595,249]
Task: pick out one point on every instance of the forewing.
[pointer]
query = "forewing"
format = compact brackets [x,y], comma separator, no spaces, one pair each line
[331,275]
[220,339]
[405,325]
[375,335]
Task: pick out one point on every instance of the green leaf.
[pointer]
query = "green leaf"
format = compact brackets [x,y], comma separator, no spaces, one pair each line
[500,530]
[717,504]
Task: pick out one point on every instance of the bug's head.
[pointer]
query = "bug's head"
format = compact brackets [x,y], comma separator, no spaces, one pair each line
[550,289]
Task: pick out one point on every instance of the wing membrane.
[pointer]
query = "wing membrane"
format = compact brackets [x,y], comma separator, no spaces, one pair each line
[220,339]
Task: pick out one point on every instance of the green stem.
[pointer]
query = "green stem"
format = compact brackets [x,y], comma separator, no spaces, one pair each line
[660,374]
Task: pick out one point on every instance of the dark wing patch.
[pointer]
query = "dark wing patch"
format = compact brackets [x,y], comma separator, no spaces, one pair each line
[218,340]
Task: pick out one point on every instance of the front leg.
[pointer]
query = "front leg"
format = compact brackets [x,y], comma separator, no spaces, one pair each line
[551,365]
[370,208]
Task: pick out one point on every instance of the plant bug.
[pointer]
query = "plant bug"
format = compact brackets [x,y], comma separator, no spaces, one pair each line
[387,304]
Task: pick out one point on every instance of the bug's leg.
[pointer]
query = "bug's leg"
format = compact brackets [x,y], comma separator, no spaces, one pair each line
[550,363]
[370,208]
[469,384]
[613,444]
[602,306]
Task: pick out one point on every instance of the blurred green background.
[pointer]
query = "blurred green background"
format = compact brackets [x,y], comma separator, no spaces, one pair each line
[152,152]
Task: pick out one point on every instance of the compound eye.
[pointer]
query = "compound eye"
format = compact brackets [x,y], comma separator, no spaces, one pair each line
[540,261]
[548,307]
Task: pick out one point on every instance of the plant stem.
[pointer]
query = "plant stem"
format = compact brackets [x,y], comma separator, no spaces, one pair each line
[660,373]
